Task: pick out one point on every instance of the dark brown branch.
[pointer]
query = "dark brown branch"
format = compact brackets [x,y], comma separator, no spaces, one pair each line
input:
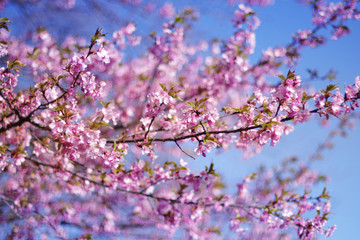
[194,135]
[18,123]
[148,130]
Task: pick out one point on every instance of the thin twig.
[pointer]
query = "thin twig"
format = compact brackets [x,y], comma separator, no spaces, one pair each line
[177,144]
[6,201]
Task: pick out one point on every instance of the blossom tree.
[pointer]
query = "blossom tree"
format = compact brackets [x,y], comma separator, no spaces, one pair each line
[93,143]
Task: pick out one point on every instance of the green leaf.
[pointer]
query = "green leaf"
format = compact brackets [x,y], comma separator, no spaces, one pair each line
[202,100]
[218,185]
[61,77]
[179,20]
[267,110]
[331,87]
[4,19]
[253,175]
[94,38]
[105,105]
[208,138]
[191,104]
[3,149]
[168,163]
[242,219]
[211,170]
[119,169]
[173,94]
[166,59]
[250,13]
[97,36]
[183,186]
[152,34]
[282,77]
[305,98]
[163,86]
[291,75]
[3,23]
[324,194]
[178,98]
[97,125]
[203,106]
[15,63]
[115,145]
[269,124]
[215,230]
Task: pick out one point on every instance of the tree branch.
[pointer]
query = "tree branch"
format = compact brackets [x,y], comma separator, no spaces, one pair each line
[194,135]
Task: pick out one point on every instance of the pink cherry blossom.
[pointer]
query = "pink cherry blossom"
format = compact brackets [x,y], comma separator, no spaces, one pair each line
[97,140]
